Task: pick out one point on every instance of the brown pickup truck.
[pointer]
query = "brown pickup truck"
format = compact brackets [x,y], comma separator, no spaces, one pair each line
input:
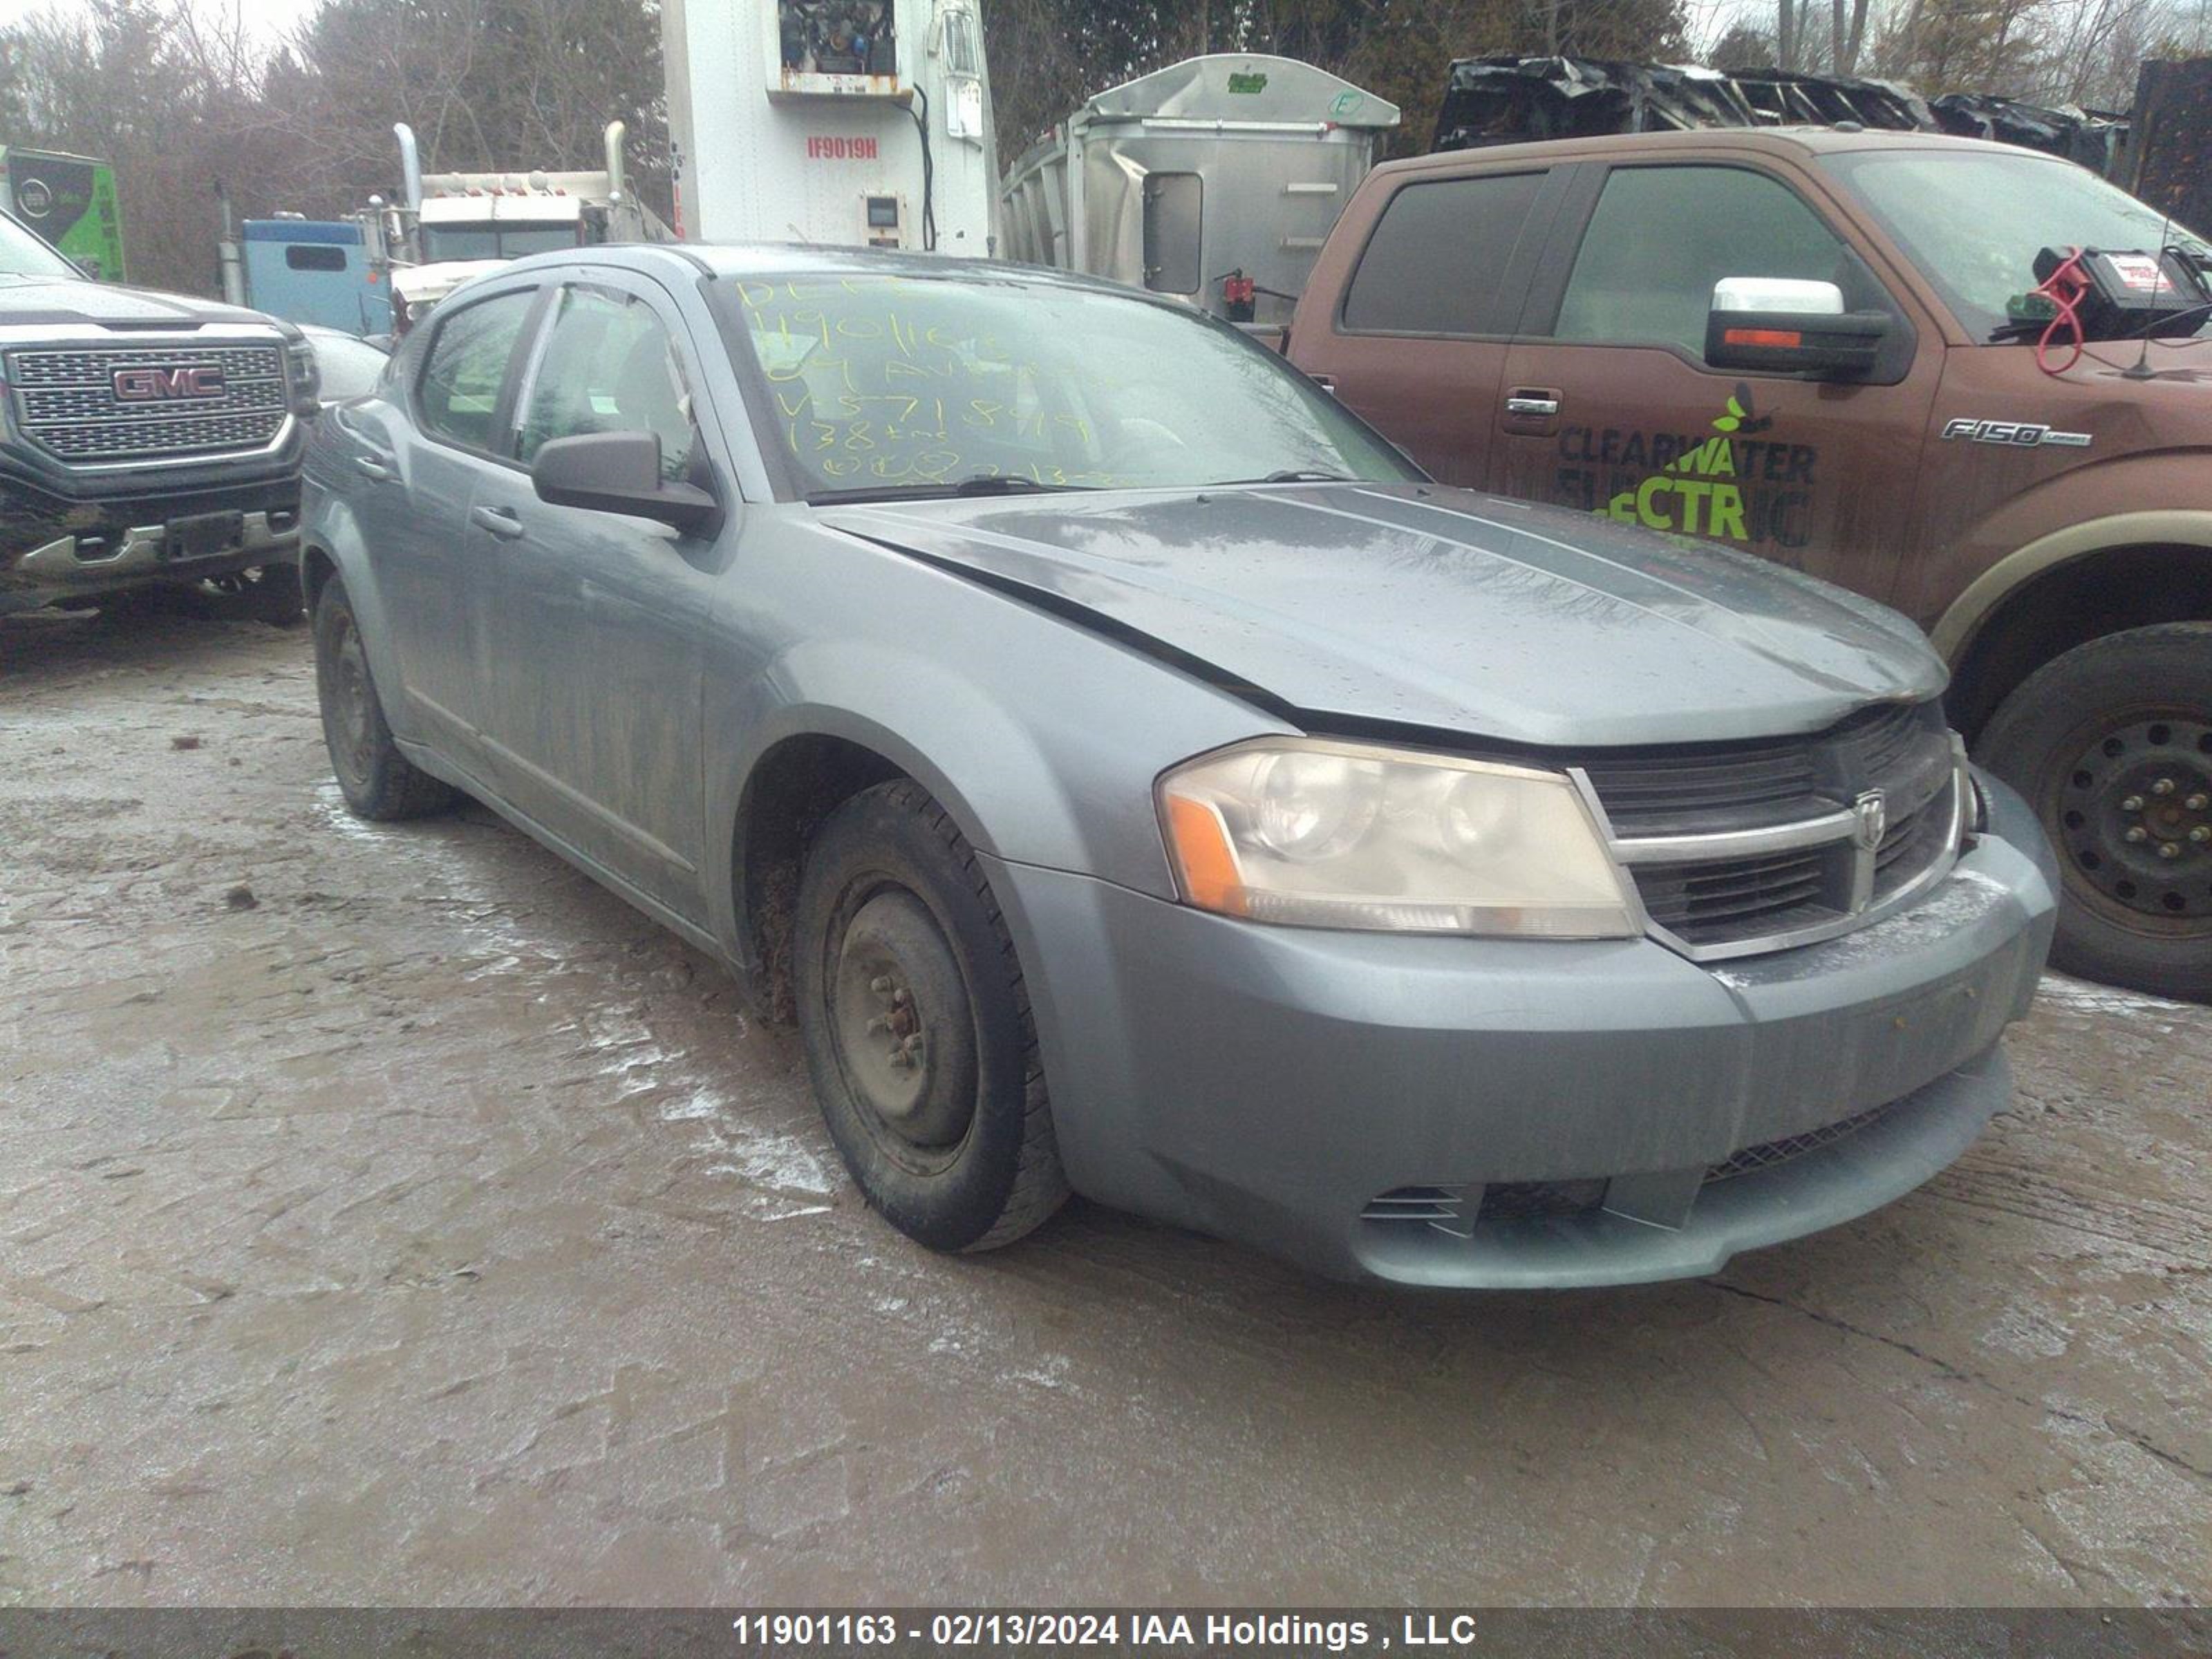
[1827,346]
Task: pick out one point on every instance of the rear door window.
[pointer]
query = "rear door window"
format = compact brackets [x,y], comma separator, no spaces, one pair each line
[1436,262]
[458,392]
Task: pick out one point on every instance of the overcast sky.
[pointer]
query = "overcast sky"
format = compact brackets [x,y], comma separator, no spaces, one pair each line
[271,17]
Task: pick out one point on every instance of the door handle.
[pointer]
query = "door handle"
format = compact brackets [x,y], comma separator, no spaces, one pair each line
[498,519]
[1326,382]
[1529,401]
[374,469]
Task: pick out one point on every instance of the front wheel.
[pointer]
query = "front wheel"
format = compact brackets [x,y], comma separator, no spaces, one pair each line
[916,1026]
[2111,745]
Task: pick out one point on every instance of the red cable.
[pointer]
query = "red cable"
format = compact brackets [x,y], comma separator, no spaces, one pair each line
[2064,288]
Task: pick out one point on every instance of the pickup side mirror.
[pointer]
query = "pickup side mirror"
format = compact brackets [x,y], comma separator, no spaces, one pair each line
[1783,326]
[620,472]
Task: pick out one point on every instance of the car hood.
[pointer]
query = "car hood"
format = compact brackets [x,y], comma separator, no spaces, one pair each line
[1424,606]
[61,300]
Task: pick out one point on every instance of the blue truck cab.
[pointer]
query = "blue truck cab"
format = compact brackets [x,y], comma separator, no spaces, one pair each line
[311,271]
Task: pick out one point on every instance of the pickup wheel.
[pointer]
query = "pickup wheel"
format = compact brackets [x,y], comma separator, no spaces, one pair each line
[2111,745]
[377,781]
[274,595]
[916,1026]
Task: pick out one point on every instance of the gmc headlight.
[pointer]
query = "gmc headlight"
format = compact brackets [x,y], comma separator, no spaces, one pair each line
[1317,834]
[305,373]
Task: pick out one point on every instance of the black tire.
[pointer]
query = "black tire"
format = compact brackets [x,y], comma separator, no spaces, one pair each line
[274,596]
[377,781]
[2111,746]
[900,949]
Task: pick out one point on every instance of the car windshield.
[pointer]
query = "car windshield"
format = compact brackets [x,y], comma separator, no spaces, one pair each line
[1975,221]
[22,254]
[441,242]
[895,385]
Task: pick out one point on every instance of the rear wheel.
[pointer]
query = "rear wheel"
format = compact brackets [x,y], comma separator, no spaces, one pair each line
[377,781]
[2111,745]
[916,1026]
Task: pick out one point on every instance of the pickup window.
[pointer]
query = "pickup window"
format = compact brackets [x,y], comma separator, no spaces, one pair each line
[1662,236]
[1436,263]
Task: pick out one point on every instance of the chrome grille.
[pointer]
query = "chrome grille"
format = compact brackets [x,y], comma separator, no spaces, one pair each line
[65,401]
[1738,848]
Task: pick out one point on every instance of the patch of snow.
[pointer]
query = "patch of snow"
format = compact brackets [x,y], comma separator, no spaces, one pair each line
[704,1102]
[770,1158]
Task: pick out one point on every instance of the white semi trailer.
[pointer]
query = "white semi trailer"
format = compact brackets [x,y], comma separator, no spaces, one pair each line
[859,123]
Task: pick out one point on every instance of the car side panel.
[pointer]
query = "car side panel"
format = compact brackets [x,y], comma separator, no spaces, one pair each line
[1041,738]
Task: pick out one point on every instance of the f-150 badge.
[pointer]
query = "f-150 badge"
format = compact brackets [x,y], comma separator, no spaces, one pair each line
[2013,435]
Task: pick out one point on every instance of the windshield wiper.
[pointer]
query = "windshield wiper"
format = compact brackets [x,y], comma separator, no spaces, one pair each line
[1295,475]
[980,484]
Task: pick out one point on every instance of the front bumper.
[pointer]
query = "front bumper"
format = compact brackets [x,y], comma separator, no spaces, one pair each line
[53,549]
[1271,1085]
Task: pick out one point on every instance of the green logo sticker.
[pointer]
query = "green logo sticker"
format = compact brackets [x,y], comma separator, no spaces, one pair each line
[1731,481]
[1347,103]
[1245,84]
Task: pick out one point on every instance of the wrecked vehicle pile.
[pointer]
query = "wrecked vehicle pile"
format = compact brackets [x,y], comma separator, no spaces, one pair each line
[1507,98]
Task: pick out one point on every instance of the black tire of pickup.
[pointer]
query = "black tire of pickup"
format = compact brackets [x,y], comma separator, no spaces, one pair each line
[916,1026]
[275,596]
[378,781]
[2111,746]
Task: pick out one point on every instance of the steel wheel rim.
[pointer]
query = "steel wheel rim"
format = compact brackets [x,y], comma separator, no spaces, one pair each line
[901,1027]
[353,699]
[2132,816]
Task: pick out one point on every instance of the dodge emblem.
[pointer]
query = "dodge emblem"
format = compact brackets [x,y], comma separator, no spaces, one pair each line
[140,385]
[1872,811]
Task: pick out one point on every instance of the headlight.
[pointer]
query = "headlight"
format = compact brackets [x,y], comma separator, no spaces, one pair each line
[1318,834]
[305,373]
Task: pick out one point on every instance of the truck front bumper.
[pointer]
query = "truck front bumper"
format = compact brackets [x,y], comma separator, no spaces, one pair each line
[54,550]
[1502,1114]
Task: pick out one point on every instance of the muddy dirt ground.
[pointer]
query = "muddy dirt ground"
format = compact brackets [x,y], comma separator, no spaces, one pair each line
[388,1214]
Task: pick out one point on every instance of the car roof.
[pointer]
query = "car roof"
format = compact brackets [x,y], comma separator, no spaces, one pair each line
[1790,140]
[780,260]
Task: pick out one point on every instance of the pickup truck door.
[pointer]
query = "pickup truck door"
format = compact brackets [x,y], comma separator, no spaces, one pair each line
[1432,276]
[595,635]
[1608,403]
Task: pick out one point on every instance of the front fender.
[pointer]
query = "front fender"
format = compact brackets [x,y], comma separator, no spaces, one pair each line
[2134,501]
[1040,738]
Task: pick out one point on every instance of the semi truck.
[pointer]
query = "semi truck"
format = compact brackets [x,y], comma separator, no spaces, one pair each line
[1215,179]
[449,227]
[845,123]
[333,273]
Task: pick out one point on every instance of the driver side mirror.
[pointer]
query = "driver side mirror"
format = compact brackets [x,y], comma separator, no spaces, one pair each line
[1783,326]
[620,472]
